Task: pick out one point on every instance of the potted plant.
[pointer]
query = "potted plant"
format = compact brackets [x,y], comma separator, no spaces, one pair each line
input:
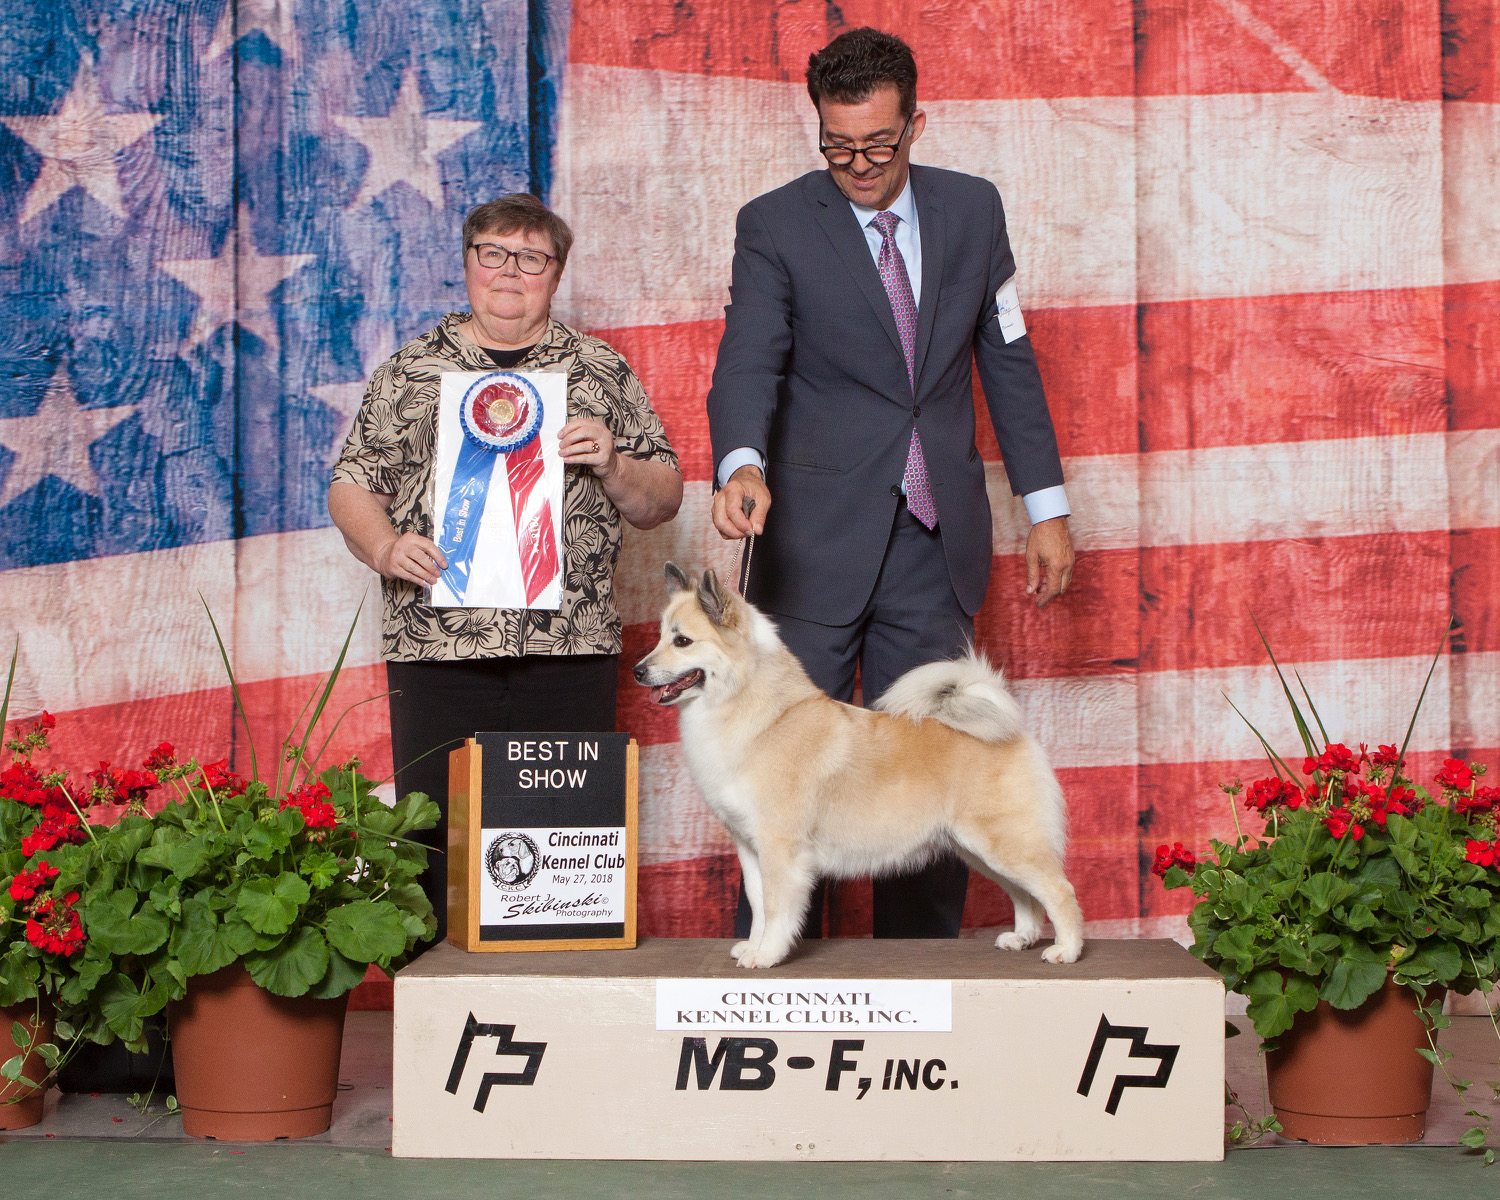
[65,978]
[276,895]
[1343,920]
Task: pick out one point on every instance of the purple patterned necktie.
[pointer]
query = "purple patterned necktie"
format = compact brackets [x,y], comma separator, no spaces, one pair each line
[904,308]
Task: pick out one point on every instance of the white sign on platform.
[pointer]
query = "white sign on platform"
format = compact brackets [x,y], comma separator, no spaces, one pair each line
[552,876]
[889,1005]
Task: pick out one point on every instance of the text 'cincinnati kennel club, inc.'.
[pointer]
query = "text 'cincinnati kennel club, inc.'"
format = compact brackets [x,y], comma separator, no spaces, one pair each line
[910,1005]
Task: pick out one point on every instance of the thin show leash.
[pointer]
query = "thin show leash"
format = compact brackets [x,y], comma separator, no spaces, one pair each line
[747,506]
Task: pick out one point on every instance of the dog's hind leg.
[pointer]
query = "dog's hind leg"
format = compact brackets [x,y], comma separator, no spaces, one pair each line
[786,882]
[750,873]
[1028,928]
[1038,874]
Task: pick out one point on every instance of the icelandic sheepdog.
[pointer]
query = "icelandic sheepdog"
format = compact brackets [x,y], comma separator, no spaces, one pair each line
[812,788]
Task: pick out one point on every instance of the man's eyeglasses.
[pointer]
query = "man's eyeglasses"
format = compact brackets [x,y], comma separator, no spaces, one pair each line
[876,156]
[528,262]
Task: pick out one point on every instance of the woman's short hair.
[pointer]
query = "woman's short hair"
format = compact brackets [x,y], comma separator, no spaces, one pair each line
[520,212]
[855,63]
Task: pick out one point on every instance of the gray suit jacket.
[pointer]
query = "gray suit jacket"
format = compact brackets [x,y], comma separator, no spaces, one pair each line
[810,373]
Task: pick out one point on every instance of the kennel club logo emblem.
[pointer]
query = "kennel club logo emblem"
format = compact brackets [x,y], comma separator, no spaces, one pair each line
[1139,1048]
[512,861]
[505,1045]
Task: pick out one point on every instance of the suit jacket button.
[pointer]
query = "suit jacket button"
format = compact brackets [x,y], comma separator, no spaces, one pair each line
[916,412]
[895,489]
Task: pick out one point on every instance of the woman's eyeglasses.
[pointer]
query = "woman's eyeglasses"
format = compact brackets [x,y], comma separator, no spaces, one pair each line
[528,262]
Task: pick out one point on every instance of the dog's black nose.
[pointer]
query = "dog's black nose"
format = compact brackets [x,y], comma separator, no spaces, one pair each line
[640,671]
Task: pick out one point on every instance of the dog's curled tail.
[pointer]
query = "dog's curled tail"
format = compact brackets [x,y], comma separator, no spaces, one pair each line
[965,693]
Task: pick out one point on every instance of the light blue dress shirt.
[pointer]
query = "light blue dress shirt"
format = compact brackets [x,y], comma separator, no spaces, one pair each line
[1040,506]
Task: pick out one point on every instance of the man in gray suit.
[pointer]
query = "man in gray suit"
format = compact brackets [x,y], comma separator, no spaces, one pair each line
[860,297]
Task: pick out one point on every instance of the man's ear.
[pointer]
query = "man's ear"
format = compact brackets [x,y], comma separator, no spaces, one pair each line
[712,598]
[676,580]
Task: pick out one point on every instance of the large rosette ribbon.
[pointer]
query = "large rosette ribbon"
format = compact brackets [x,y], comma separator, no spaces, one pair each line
[501,414]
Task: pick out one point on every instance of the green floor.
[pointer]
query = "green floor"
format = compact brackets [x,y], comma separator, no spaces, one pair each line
[154,1171]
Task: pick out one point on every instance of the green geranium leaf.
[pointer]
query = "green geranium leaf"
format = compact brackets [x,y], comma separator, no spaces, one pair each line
[264,840]
[1325,890]
[1352,981]
[322,869]
[343,974]
[113,922]
[203,943]
[1359,917]
[189,857]
[270,906]
[366,930]
[291,968]
[1274,1002]
[121,1005]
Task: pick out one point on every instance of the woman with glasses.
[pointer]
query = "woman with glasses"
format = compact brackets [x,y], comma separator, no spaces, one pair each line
[454,671]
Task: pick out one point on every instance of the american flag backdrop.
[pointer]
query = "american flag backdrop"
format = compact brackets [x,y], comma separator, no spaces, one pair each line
[1259,254]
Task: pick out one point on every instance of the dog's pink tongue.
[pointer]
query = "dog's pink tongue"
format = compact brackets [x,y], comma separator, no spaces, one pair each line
[656,693]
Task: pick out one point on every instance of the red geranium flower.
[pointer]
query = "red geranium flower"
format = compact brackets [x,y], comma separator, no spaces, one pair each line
[219,778]
[1483,800]
[1483,853]
[56,928]
[162,757]
[1341,821]
[26,884]
[1174,855]
[1335,757]
[1386,756]
[1455,774]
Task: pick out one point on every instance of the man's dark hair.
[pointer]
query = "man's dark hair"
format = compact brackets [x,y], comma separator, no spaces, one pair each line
[858,62]
[520,212]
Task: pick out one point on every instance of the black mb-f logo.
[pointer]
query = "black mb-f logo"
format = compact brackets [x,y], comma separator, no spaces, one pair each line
[531,1051]
[1139,1048]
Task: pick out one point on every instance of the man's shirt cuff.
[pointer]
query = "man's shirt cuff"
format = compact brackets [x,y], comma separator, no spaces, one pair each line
[746,457]
[1040,506]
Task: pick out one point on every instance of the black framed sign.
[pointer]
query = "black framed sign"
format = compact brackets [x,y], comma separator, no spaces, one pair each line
[542,841]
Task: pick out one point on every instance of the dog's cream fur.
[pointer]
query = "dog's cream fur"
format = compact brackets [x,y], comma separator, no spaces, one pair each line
[809,787]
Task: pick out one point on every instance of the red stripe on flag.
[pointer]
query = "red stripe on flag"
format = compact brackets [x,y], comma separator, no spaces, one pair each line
[1291,368]
[964,51]
[204,725]
[1471,50]
[1475,557]
[1209,372]
[1365,47]
[1005,49]
[1473,354]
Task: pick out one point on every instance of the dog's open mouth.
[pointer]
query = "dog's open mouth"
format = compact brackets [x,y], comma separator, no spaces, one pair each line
[665,693]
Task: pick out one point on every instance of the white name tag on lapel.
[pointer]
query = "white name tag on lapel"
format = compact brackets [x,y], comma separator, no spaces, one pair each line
[1012,324]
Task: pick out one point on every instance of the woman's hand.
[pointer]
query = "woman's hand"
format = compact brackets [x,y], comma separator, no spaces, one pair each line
[411,557]
[587,442]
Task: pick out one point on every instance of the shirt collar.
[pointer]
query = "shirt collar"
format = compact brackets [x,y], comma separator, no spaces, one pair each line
[905,207]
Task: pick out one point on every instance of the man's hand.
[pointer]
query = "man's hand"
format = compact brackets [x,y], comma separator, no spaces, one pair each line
[411,557]
[1049,560]
[729,505]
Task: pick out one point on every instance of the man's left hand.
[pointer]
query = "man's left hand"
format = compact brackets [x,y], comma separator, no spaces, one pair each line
[1049,560]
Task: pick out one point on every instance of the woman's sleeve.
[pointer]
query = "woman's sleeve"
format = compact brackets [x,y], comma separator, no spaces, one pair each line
[638,430]
[372,457]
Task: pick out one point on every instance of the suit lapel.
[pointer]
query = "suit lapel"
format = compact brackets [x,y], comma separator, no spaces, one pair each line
[931,222]
[842,227]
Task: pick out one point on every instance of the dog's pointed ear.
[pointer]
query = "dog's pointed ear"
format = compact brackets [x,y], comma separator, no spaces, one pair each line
[712,598]
[676,580]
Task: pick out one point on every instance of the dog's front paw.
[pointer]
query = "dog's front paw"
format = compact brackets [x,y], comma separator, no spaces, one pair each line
[1061,955]
[1013,941]
[760,958]
[739,950]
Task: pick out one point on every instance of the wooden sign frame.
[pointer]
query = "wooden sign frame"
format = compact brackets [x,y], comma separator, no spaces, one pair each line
[465,823]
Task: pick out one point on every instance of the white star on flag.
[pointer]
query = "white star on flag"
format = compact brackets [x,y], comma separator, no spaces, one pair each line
[272,17]
[238,265]
[345,398]
[404,144]
[55,440]
[80,145]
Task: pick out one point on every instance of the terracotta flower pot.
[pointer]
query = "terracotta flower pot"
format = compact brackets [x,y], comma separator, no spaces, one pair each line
[21,1106]
[253,1066]
[1354,1078]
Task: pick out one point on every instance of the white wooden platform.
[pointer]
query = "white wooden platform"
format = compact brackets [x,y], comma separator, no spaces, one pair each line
[853,1050]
